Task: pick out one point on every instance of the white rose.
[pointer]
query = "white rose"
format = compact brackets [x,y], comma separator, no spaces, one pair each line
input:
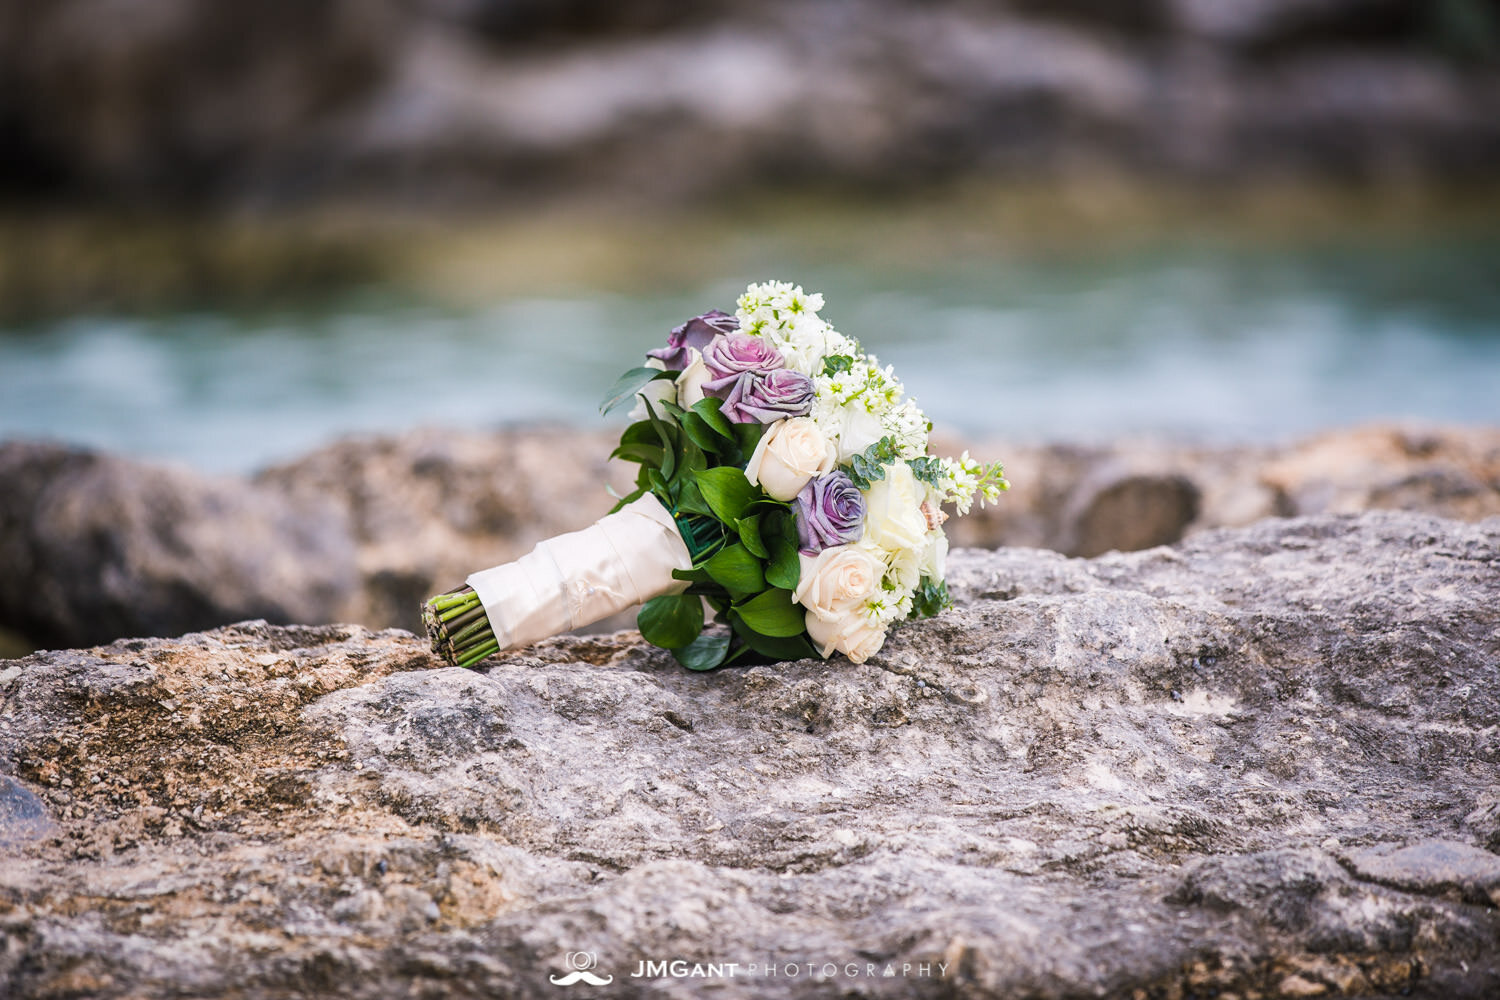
[837,580]
[655,391]
[690,382]
[935,557]
[790,453]
[893,510]
[858,429]
[854,635]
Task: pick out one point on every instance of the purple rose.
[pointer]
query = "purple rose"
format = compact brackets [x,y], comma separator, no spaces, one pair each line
[734,354]
[829,511]
[695,334]
[756,398]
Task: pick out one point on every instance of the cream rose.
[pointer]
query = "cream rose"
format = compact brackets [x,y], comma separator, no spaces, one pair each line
[837,580]
[690,382]
[893,510]
[854,635]
[790,453]
[858,429]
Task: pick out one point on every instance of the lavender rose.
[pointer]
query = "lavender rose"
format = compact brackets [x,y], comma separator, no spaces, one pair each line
[756,398]
[694,335]
[829,511]
[734,354]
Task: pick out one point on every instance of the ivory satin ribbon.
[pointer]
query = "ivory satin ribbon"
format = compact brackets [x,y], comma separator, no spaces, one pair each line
[623,559]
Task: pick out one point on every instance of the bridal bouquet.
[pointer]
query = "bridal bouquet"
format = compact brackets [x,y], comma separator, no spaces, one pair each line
[785,488]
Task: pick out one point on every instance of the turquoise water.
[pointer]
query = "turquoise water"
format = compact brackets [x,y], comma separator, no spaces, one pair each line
[1210,343]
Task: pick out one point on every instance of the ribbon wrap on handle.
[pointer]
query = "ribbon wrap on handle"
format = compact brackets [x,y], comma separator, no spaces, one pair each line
[623,559]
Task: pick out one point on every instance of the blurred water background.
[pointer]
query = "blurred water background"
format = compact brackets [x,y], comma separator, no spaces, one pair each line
[1210,341]
[228,235]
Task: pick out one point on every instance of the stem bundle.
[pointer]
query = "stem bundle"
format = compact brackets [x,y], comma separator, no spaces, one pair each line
[458,627]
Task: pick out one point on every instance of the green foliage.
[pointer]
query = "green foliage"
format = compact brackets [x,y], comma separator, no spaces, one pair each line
[927,469]
[837,364]
[772,613]
[783,569]
[797,647]
[708,410]
[707,651]
[727,491]
[671,621]
[627,385]
[869,465]
[743,543]
[737,570]
[749,530]
[930,598]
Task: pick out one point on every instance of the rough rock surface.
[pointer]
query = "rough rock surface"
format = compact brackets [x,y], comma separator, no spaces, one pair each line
[93,547]
[444,100]
[1262,763]
[96,547]
[1086,500]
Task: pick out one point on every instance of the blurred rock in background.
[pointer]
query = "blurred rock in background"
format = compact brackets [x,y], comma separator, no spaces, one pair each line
[434,102]
[95,547]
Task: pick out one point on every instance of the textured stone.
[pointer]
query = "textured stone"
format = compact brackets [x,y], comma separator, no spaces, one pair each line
[93,546]
[1434,866]
[1162,773]
[1084,500]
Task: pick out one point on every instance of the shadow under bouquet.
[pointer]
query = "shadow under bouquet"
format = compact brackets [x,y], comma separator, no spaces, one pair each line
[786,504]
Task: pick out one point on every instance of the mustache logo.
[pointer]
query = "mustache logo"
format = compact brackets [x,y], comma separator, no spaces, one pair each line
[580,963]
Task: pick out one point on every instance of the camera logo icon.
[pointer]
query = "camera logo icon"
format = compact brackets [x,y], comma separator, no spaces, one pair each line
[580,966]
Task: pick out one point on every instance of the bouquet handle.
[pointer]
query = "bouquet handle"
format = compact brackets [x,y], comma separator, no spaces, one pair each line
[566,582]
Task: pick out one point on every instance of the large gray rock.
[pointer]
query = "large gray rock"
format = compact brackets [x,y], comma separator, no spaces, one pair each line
[1262,763]
[93,547]
[463,100]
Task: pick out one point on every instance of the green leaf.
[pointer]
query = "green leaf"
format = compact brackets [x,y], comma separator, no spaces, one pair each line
[926,469]
[749,529]
[704,652]
[628,385]
[690,459]
[727,491]
[869,465]
[646,454]
[785,569]
[708,409]
[748,435]
[835,364]
[771,612]
[640,432]
[701,434]
[774,647]
[690,499]
[671,621]
[930,598]
[668,437]
[738,570]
